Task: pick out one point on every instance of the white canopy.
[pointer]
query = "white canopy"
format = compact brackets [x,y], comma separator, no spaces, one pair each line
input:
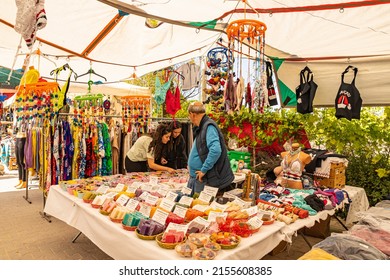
[327,37]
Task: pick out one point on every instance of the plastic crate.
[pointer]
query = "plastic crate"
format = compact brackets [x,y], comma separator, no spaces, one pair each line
[245,156]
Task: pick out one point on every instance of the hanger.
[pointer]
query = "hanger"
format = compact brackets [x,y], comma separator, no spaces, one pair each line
[39,54]
[306,69]
[350,67]
[63,68]
[174,71]
[90,72]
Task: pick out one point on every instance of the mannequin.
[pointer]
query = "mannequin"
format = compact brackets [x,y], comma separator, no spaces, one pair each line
[19,151]
[293,163]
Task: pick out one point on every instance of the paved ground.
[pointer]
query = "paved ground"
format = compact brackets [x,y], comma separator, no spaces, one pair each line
[26,235]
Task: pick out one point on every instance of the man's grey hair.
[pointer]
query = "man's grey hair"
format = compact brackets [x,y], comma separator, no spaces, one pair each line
[197,108]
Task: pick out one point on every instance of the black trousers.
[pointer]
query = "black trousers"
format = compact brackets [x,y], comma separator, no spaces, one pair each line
[135,166]
[19,152]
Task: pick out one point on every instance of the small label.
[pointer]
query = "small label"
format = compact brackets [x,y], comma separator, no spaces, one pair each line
[171,195]
[213,216]
[177,227]
[205,197]
[211,191]
[122,199]
[145,209]
[186,200]
[186,190]
[201,207]
[102,189]
[251,211]
[167,204]
[160,216]
[153,180]
[132,204]
[180,211]
[163,190]
[255,222]
[151,199]
[119,187]
[216,205]
[131,189]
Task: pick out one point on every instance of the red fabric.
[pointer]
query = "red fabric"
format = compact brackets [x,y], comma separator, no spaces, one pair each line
[172,101]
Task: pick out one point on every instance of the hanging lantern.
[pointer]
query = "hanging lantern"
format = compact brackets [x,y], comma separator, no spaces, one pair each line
[246,29]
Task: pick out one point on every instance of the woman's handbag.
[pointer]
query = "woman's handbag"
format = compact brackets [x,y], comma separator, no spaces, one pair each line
[348,102]
[306,91]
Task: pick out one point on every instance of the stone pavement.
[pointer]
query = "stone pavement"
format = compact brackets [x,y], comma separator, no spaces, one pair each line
[26,235]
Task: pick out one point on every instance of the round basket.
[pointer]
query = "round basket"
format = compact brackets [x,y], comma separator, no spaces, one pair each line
[87,200]
[116,220]
[268,222]
[104,212]
[229,246]
[145,237]
[167,245]
[96,206]
[129,228]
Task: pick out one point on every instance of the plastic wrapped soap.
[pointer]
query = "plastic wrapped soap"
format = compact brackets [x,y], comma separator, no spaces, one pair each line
[185,249]
[203,254]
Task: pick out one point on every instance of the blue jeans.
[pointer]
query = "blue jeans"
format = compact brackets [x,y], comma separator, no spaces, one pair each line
[195,185]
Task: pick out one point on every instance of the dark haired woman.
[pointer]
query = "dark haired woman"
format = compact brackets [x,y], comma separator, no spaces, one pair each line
[147,151]
[174,154]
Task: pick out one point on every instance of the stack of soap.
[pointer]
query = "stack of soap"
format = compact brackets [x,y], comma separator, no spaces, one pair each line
[193,213]
[133,219]
[172,236]
[119,212]
[174,218]
[150,227]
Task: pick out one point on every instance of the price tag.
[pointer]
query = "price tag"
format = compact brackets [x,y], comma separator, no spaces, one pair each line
[136,184]
[163,190]
[153,180]
[201,207]
[186,200]
[119,187]
[151,199]
[160,216]
[177,227]
[180,211]
[201,221]
[229,195]
[251,211]
[144,195]
[211,190]
[216,205]
[122,199]
[145,209]
[131,189]
[186,190]
[171,195]
[111,194]
[239,202]
[213,215]
[255,222]
[146,187]
[102,189]
[167,204]
[205,197]
[132,204]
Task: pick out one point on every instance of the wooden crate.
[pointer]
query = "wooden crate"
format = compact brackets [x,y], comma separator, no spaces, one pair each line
[336,177]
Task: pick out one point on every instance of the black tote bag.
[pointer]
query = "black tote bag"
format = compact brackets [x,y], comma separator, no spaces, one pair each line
[306,91]
[272,100]
[348,101]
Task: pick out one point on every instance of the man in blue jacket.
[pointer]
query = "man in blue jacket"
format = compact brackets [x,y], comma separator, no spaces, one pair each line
[208,161]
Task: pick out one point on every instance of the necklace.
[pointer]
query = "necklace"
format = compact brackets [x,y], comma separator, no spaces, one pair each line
[294,152]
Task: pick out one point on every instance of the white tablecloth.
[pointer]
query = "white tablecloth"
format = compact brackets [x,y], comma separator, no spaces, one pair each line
[359,203]
[122,245]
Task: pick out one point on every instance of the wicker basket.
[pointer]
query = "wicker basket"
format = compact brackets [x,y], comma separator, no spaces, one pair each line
[145,237]
[129,228]
[167,245]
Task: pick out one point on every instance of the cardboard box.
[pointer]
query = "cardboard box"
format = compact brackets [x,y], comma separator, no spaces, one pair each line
[320,229]
[336,177]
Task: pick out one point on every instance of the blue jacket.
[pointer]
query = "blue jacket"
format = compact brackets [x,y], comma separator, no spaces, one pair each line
[220,174]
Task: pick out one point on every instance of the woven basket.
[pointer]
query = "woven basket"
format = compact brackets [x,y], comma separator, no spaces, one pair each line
[167,245]
[145,237]
[129,228]
[116,220]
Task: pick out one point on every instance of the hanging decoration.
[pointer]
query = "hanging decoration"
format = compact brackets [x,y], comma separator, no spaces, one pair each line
[240,32]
